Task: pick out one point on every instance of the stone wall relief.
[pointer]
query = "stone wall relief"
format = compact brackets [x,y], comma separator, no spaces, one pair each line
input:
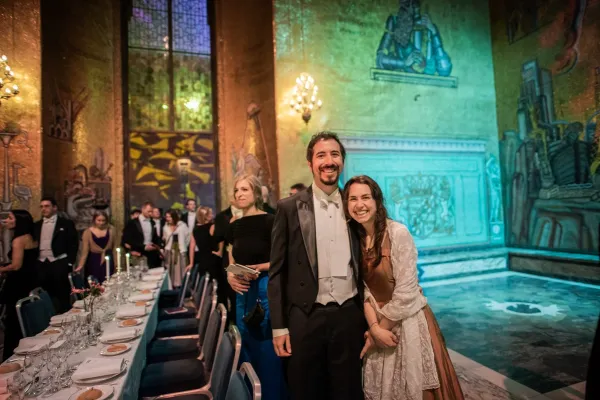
[65,109]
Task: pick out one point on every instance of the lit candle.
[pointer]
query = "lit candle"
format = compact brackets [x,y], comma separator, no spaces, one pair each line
[107,259]
[127,255]
[118,259]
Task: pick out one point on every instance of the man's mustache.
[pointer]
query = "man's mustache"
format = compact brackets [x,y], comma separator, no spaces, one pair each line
[335,167]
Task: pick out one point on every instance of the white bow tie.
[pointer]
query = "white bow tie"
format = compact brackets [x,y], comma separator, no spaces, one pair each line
[325,203]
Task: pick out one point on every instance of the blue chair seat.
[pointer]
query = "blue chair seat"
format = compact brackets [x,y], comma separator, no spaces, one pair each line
[169,298]
[173,376]
[177,327]
[171,350]
[190,312]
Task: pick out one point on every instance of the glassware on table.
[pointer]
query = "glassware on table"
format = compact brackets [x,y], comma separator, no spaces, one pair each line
[16,386]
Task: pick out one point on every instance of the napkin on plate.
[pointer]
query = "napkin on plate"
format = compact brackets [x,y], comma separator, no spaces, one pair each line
[59,319]
[151,278]
[32,344]
[98,367]
[156,271]
[142,297]
[121,334]
[147,285]
[129,311]
[78,304]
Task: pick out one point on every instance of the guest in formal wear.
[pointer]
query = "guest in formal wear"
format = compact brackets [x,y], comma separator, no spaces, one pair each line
[207,255]
[250,238]
[59,242]
[176,238]
[98,241]
[189,214]
[315,286]
[134,214]
[19,273]
[406,357]
[297,187]
[159,223]
[141,239]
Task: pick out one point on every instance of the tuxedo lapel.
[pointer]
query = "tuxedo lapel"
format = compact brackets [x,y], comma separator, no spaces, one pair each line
[57,227]
[138,225]
[306,217]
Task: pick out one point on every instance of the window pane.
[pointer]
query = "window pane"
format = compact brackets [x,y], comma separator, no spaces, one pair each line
[149,24]
[191,33]
[193,99]
[148,90]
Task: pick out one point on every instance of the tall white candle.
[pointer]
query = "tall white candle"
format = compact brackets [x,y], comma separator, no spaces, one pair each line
[107,259]
[127,255]
[118,259]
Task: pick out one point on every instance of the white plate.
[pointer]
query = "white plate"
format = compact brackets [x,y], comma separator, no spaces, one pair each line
[138,321]
[100,379]
[106,390]
[123,340]
[105,352]
[50,332]
[133,316]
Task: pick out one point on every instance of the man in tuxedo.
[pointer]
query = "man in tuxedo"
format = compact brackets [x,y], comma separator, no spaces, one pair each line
[159,222]
[297,187]
[59,242]
[140,237]
[189,215]
[315,285]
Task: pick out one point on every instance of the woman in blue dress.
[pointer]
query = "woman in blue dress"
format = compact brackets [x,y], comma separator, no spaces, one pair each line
[250,238]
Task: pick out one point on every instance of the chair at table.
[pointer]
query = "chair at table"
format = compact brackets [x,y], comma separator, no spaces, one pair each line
[180,310]
[189,326]
[190,346]
[189,378]
[170,298]
[240,390]
[34,313]
[45,296]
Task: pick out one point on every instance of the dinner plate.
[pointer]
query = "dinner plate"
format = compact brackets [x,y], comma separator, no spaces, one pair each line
[106,390]
[138,334]
[138,321]
[50,332]
[100,379]
[3,370]
[133,316]
[105,351]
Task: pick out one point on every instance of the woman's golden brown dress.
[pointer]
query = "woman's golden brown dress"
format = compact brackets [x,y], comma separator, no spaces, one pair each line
[380,281]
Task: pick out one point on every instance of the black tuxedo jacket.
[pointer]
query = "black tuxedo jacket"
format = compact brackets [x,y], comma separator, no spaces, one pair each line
[65,239]
[133,235]
[293,273]
[184,219]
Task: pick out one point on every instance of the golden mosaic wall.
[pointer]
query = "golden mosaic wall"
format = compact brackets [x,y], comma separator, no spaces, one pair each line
[245,91]
[20,32]
[82,117]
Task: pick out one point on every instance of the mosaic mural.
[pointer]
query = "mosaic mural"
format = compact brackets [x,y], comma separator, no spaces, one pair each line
[167,168]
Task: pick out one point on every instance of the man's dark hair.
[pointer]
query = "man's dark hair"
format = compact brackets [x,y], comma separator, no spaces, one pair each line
[134,211]
[187,201]
[298,186]
[147,203]
[325,135]
[51,199]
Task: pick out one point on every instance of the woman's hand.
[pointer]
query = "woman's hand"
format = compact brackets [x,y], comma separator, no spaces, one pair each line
[78,269]
[188,268]
[238,285]
[382,337]
[369,344]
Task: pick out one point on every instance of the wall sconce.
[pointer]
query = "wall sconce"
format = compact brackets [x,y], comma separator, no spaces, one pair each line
[6,89]
[304,98]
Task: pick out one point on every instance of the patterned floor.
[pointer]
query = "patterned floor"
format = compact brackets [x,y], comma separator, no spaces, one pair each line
[527,336]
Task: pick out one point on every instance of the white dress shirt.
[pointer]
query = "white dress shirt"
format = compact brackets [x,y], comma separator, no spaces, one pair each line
[183,236]
[336,280]
[191,219]
[48,225]
[146,228]
[157,226]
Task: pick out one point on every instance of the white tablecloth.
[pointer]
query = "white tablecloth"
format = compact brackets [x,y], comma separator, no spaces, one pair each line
[126,387]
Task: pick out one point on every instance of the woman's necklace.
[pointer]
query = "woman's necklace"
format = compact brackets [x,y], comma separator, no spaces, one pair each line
[369,243]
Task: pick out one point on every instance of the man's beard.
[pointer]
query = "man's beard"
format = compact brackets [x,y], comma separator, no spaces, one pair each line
[331,181]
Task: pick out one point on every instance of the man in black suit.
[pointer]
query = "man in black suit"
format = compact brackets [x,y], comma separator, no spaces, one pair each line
[141,239]
[189,215]
[159,223]
[59,242]
[315,285]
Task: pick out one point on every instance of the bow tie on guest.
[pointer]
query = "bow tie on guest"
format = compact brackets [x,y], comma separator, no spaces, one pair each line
[325,203]
[49,220]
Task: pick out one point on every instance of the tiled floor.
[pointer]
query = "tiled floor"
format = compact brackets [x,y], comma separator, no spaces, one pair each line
[514,335]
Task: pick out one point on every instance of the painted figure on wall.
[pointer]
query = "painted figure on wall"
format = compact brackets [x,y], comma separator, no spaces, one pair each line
[552,197]
[412,43]
[88,190]
[247,158]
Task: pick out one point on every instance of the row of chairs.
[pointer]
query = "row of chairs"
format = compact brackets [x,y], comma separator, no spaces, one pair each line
[193,358]
[34,312]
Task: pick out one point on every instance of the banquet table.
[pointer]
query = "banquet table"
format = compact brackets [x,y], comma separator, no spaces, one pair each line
[126,385]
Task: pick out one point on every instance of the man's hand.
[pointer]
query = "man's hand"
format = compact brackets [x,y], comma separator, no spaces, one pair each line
[382,337]
[369,344]
[150,247]
[282,345]
[136,253]
[238,285]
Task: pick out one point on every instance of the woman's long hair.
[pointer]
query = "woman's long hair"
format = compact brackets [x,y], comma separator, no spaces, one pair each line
[174,216]
[23,223]
[381,216]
